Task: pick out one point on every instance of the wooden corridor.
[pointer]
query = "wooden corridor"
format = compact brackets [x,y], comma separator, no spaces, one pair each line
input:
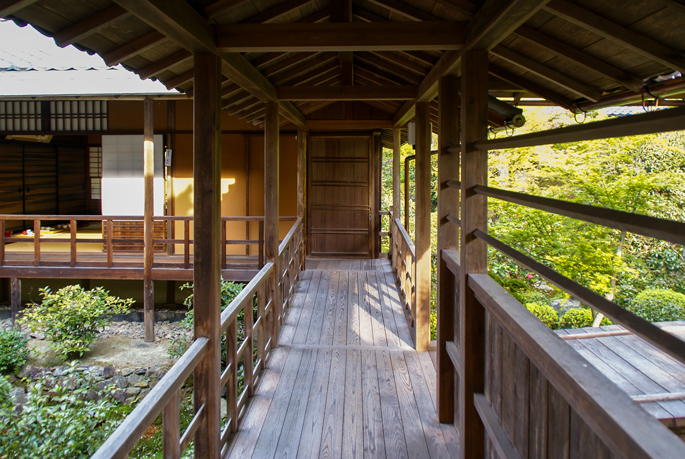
[345,380]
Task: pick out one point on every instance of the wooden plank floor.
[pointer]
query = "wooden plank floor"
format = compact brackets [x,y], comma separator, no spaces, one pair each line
[345,381]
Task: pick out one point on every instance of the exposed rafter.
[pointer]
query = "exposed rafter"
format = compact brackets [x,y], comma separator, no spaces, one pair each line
[618,34]
[547,73]
[132,48]
[394,92]
[165,63]
[8,7]
[528,85]
[406,10]
[355,36]
[220,7]
[89,26]
[313,64]
[180,22]
[276,11]
[493,22]
[400,71]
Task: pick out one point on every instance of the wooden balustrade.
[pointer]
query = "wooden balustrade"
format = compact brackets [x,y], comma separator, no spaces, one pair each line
[249,340]
[405,270]
[182,242]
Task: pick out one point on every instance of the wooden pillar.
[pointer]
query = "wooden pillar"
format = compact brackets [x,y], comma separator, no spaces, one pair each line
[302,185]
[206,266]
[15,298]
[171,144]
[422,226]
[448,234]
[474,171]
[396,195]
[271,153]
[148,225]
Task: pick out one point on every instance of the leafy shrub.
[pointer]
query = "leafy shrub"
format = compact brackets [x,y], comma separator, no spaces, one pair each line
[534,296]
[13,349]
[657,305]
[545,313]
[5,399]
[434,325]
[72,317]
[60,423]
[576,318]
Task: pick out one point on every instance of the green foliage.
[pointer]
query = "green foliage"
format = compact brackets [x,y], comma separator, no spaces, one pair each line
[658,305]
[13,349]
[72,317]
[545,313]
[61,423]
[576,318]
[434,325]
[5,399]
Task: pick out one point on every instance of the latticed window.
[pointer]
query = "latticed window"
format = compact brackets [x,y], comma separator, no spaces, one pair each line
[95,172]
[20,116]
[78,115]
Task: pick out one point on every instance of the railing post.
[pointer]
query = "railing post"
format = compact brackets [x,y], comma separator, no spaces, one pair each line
[396,194]
[72,231]
[2,242]
[448,203]
[271,153]
[302,180]
[422,226]
[171,426]
[474,171]
[36,243]
[206,248]
[108,241]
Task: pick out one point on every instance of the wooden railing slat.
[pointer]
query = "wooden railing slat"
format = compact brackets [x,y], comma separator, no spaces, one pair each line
[171,428]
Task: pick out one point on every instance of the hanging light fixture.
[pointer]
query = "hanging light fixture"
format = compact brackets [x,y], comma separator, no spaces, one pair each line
[411,133]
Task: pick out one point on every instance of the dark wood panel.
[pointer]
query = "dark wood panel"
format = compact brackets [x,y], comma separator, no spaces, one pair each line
[71,169]
[40,179]
[340,195]
[11,182]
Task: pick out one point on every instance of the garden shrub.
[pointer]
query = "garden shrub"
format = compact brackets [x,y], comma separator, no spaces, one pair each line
[5,399]
[534,296]
[59,423]
[545,313]
[659,305]
[72,317]
[576,318]
[434,325]
[13,349]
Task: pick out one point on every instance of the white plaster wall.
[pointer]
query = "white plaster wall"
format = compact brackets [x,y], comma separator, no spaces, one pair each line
[122,175]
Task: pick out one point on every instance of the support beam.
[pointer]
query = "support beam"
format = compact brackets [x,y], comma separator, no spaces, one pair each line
[448,239]
[474,171]
[148,224]
[394,92]
[164,63]
[422,226]
[130,49]
[493,22]
[8,7]
[535,88]
[354,36]
[207,242]
[618,34]
[271,181]
[95,23]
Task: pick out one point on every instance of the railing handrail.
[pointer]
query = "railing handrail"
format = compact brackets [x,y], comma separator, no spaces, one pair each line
[407,239]
[229,314]
[610,413]
[289,236]
[122,441]
[131,217]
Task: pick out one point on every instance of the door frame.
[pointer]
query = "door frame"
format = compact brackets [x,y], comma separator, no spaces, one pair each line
[374,185]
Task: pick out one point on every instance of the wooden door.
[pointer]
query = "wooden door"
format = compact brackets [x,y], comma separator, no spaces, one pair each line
[71,165]
[340,197]
[40,179]
[12,182]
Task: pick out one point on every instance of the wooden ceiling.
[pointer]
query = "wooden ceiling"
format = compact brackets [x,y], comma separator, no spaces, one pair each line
[307,54]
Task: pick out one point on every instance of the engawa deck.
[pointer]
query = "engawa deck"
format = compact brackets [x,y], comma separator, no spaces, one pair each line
[345,380]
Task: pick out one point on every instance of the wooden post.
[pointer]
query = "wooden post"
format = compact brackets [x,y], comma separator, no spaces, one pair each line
[302,184]
[271,210]
[171,144]
[396,195]
[448,237]
[206,241]
[423,226]
[148,224]
[474,171]
[15,298]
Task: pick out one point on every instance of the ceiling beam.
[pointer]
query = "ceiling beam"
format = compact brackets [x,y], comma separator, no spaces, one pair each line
[355,36]
[313,64]
[528,85]
[493,22]
[217,8]
[8,7]
[394,92]
[676,4]
[164,63]
[180,22]
[546,73]
[579,57]
[77,32]
[179,79]
[406,10]
[381,73]
[400,59]
[400,71]
[618,34]
[133,48]
[276,11]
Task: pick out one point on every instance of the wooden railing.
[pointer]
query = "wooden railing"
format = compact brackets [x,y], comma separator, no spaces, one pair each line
[404,266]
[183,241]
[249,332]
[540,398]
[291,255]
[245,335]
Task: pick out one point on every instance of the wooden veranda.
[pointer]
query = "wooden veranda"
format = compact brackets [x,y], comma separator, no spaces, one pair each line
[504,383]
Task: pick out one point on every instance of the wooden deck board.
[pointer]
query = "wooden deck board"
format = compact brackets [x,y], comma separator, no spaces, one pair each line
[345,381]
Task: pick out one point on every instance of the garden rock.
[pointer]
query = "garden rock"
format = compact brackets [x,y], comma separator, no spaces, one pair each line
[108,371]
[132,391]
[102,385]
[120,382]
[135,380]
[119,395]
[24,371]
[143,393]
[92,395]
[18,395]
